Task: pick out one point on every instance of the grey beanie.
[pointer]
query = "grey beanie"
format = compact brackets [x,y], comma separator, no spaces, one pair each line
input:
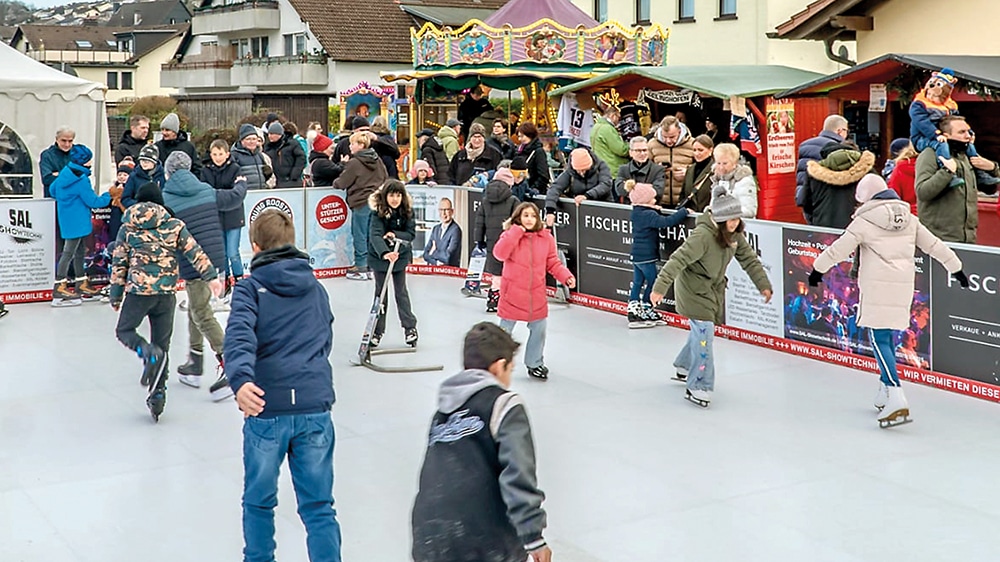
[724,205]
[176,161]
[171,123]
[275,128]
[149,152]
[247,130]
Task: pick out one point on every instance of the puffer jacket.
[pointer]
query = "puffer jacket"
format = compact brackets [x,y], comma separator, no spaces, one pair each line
[887,235]
[432,153]
[252,166]
[145,259]
[139,178]
[75,197]
[497,206]
[950,213]
[829,193]
[527,257]
[741,185]
[902,180]
[811,151]
[50,163]
[288,161]
[128,147]
[680,156]
[697,270]
[404,228]
[608,144]
[363,175]
[387,149]
[449,142]
[194,202]
[595,184]
[232,214]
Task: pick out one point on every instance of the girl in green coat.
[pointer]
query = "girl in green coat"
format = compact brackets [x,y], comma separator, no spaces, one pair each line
[698,272]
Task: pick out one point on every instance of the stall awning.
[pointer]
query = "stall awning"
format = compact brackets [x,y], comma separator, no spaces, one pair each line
[976,69]
[716,81]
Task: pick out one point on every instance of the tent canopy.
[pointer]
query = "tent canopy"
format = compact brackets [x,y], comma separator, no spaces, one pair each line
[523,13]
[23,75]
[717,81]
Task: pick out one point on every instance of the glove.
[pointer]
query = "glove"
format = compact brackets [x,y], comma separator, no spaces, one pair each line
[815,278]
[961,278]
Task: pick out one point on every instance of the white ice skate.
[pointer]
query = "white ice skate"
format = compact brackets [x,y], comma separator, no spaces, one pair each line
[881,396]
[681,375]
[699,397]
[896,411]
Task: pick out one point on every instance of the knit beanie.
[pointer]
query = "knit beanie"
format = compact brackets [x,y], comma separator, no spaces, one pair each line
[247,130]
[870,186]
[359,122]
[426,133]
[504,175]
[126,167]
[275,128]
[149,152]
[724,205]
[420,165]
[519,164]
[177,160]
[642,194]
[321,143]
[171,123]
[897,146]
[80,154]
[477,129]
[149,192]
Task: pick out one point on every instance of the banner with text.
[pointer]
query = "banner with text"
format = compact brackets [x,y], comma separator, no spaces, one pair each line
[745,306]
[27,250]
[780,134]
[289,201]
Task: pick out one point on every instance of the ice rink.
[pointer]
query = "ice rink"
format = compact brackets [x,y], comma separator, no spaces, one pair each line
[787,464]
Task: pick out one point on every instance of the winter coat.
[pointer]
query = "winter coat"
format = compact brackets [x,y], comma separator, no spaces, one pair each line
[139,178]
[950,213]
[280,334]
[697,270]
[503,145]
[647,222]
[145,259]
[449,142]
[741,185]
[288,161]
[887,235]
[527,257]
[470,109]
[462,168]
[363,175]
[649,172]
[523,191]
[595,184]
[388,151]
[432,153]
[539,174]
[811,151]
[680,156]
[698,181]
[232,214]
[129,147]
[902,180]
[829,192]
[50,163]
[608,145]
[497,206]
[323,170]
[251,165]
[193,201]
[447,244]
[75,197]
[182,144]
[405,228]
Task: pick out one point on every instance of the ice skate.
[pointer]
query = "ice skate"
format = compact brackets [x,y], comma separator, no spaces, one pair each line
[64,295]
[652,315]
[220,389]
[219,305]
[637,317]
[86,290]
[3,310]
[190,372]
[699,397]
[881,396]
[540,372]
[183,305]
[896,411]
[156,402]
[157,397]
[411,337]
[153,365]
[681,375]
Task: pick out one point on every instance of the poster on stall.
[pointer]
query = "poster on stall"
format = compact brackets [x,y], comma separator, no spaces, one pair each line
[878,98]
[288,201]
[780,133]
[27,250]
[328,231]
[425,211]
[745,306]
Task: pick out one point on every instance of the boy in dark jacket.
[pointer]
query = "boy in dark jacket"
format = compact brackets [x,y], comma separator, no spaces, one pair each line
[363,175]
[497,206]
[278,344]
[647,222]
[222,174]
[149,170]
[479,496]
[522,188]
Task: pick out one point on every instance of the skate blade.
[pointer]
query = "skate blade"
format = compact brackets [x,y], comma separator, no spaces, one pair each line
[640,325]
[220,395]
[695,401]
[899,417]
[4,313]
[678,379]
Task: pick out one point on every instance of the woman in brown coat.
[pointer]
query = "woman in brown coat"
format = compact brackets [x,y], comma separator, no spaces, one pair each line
[886,235]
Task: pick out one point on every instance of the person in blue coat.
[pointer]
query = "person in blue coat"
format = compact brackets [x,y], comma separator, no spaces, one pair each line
[149,170]
[647,222]
[835,129]
[75,197]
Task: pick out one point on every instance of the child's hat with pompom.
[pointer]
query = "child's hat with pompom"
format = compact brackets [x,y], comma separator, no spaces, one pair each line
[642,194]
[945,74]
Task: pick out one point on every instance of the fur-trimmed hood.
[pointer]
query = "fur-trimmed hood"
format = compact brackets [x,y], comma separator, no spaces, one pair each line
[834,169]
[373,200]
[741,172]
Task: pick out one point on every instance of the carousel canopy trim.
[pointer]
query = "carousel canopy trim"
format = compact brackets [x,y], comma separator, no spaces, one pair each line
[723,82]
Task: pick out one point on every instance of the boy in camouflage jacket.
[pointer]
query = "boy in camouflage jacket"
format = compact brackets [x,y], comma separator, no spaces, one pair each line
[144,271]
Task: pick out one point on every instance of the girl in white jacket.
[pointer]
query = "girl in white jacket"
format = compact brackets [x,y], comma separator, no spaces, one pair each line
[737,178]
[886,235]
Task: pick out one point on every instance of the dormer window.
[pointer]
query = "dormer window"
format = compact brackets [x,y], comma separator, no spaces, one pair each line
[84,44]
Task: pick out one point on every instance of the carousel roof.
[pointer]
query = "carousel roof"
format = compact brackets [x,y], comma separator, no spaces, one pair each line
[524,13]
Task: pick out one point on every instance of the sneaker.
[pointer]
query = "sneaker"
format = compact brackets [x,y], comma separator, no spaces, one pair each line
[411,337]
[374,340]
[540,372]
[220,389]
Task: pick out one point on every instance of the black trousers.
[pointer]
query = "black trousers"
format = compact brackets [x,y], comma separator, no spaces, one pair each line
[160,311]
[406,317]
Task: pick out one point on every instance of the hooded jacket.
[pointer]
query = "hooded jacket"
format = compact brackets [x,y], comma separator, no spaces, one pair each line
[280,334]
[527,257]
[404,228]
[741,185]
[288,161]
[680,156]
[137,179]
[433,154]
[595,183]
[194,202]
[950,213]
[887,235]
[251,165]
[539,173]
[181,143]
[449,142]
[498,205]
[363,175]
[648,172]
[128,147]
[478,489]
[697,270]
[829,191]
[902,180]
[607,144]
[75,197]
[229,194]
[387,149]
[323,170]
[810,151]
[145,259]
[462,168]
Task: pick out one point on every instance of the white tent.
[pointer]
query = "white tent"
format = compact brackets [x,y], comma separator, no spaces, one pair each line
[35,100]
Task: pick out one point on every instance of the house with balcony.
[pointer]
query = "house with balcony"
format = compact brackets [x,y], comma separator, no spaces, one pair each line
[294,56]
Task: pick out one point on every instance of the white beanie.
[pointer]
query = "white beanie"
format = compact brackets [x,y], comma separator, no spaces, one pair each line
[869,186]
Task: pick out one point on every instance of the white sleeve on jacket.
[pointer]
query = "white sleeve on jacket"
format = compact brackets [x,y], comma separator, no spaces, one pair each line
[746,191]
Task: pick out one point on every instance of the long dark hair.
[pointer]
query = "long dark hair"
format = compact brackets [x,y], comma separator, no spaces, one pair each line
[725,238]
[515,217]
[382,200]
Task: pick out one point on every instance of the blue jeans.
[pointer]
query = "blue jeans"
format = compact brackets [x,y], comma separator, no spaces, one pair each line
[307,440]
[696,357]
[533,352]
[885,355]
[234,262]
[360,219]
[643,277]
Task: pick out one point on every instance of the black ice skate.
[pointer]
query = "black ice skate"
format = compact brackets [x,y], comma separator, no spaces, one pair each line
[680,376]
[220,389]
[157,397]
[156,402]
[190,372]
[698,397]
[3,310]
[411,337]
[153,365]
[540,372]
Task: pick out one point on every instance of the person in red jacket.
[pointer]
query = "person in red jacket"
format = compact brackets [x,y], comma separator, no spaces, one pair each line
[903,177]
[528,252]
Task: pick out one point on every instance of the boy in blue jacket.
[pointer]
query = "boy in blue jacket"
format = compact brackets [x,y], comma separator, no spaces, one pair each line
[277,350]
[647,222]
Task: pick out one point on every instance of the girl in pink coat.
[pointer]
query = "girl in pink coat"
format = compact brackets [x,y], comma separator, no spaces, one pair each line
[528,252]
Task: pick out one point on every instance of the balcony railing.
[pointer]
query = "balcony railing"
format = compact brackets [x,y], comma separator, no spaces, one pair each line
[239,17]
[80,57]
[238,6]
[297,70]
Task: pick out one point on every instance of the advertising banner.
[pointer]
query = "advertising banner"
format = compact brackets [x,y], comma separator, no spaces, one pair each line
[745,306]
[566,233]
[780,134]
[27,250]
[289,201]
[605,242]
[670,240]
[425,210]
[328,231]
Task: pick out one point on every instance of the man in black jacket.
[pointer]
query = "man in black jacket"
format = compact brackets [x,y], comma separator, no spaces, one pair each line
[640,169]
[475,158]
[176,140]
[133,139]
[587,178]
[474,105]
[287,158]
[432,152]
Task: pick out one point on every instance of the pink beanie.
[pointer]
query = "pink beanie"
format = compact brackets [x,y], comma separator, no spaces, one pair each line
[504,175]
[420,165]
[870,186]
[642,194]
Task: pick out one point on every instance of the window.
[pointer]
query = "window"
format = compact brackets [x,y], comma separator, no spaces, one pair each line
[642,11]
[601,10]
[685,10]
[127,81]
[295,44]
[727,9]
[84,44]
[112,43]
[124,45]
[112,80]
[258,47]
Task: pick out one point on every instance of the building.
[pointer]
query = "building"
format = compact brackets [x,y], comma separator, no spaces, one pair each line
[157,12]
[125,59]
[292,56]
[717,32]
